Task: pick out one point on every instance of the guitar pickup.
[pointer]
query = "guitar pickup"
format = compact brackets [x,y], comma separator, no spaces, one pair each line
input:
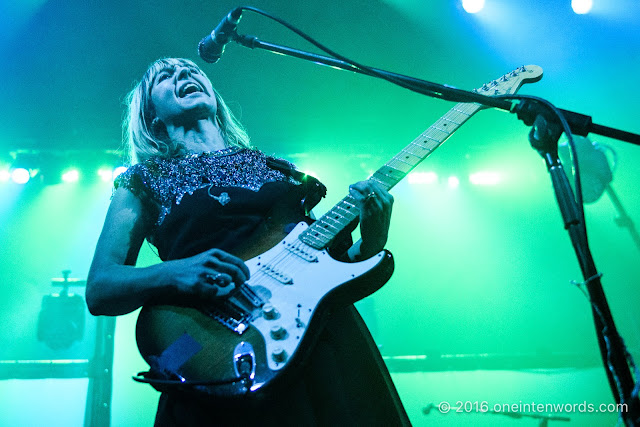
[303,251]
[277,275]
[249,295]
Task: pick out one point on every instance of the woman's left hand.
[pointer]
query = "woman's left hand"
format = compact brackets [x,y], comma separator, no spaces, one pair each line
[375,204]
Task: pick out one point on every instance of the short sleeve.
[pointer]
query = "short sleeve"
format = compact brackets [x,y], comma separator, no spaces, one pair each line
[133,179]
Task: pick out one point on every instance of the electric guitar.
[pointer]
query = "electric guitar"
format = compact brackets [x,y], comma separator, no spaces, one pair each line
[267,326]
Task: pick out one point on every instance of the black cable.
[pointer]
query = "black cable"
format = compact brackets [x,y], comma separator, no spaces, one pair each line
[156,381]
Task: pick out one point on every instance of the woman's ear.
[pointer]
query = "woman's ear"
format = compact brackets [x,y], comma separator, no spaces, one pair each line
[158,129]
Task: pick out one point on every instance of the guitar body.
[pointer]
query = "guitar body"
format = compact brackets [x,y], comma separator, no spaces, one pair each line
[294,286]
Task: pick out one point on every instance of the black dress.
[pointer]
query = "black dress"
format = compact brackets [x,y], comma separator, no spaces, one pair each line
[221,199]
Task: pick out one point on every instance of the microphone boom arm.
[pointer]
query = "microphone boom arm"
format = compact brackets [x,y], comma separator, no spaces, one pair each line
[579,124]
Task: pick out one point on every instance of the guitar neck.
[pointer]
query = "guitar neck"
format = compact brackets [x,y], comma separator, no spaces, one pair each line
[320,234]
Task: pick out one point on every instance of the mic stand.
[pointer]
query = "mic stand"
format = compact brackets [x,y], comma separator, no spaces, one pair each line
[624,220]
[543,137]
[580,124]
[544,419]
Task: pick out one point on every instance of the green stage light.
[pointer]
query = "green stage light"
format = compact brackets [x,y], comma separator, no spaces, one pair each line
[484,178]
[71,175]
[310,173]
[106,174]
[453,182]
[117,171]
[5,175]
[422,177]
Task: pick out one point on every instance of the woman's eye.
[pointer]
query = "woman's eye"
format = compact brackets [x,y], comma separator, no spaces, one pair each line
[162,77]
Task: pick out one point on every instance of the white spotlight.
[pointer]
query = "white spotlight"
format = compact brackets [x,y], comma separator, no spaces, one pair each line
[484,178]
[20,175]
[117,171]
[422,177]
[453,182]
[473,6]
[581,7]
[105,174]
[71,175]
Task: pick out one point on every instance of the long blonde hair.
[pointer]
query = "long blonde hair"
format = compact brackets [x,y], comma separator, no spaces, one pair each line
[140,140]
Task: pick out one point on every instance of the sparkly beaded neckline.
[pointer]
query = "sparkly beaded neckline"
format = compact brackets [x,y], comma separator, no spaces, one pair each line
[222,152]
[164,182]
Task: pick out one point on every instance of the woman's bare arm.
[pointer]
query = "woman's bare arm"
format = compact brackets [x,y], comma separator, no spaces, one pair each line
[115,286]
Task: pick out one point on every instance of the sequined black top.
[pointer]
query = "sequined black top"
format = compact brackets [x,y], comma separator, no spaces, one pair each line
[220,199]
[199,201]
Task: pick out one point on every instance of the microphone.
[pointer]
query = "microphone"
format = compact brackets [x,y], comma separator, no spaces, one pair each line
[211,47]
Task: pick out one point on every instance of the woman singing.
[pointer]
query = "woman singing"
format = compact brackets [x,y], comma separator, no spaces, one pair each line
[200,193]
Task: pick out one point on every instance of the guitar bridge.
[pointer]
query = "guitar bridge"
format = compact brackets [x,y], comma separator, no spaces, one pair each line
[236,311]
[227,314]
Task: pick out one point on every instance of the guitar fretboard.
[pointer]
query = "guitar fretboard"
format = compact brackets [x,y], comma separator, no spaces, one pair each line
[320,234]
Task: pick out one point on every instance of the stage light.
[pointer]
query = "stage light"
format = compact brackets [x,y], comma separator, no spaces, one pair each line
[581,7]
[71,175]
[106,174]
[484,178]
[473,6]
[310,173]
[117,171]
[5,175]
[453,182]
[20,175]
[422,177]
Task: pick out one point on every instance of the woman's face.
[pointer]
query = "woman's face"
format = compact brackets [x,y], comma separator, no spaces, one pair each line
[181,95]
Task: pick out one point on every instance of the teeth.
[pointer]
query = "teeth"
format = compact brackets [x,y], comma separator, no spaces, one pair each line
[188,89]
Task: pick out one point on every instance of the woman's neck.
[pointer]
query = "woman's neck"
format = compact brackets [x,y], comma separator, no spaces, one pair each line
[203,136]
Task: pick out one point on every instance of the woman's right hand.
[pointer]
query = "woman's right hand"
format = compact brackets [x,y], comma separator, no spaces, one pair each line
[205,277]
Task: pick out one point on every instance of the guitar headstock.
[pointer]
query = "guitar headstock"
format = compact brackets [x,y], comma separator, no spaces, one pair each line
[511,82]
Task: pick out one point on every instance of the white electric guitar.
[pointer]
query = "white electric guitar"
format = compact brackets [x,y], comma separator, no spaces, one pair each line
[258,335]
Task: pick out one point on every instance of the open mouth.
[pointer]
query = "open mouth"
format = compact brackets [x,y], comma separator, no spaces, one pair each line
[189,88]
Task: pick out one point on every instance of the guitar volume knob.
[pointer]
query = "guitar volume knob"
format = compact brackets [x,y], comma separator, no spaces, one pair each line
[278,332]
[269,312]
[279,355]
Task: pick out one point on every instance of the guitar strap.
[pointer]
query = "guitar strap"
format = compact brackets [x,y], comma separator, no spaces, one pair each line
[314,190]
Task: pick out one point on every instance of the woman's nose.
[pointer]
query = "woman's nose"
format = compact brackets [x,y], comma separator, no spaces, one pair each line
[183,72]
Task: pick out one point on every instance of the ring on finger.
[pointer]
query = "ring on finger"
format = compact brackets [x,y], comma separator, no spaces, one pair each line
[370,196]
[216,279]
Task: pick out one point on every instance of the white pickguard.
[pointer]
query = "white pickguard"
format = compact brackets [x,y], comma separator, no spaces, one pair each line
[312,273]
